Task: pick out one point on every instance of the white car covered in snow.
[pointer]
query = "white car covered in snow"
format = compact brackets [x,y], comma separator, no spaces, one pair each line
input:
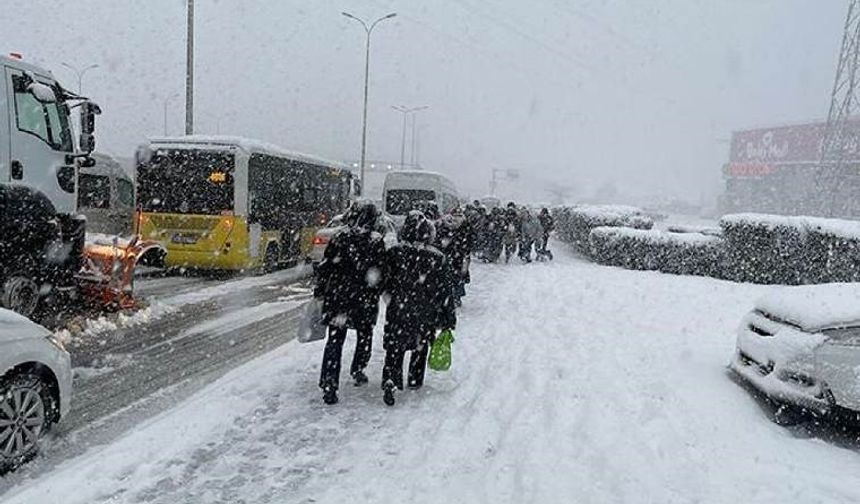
[801,346]
[35,386]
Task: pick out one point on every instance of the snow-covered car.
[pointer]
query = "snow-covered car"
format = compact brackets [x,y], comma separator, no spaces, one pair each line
[35,386]
[325,234]
[801,346]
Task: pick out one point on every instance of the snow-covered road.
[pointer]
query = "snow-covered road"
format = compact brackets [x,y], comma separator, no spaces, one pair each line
[571,383]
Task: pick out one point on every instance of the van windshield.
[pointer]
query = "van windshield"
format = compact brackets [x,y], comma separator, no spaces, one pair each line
[401,201]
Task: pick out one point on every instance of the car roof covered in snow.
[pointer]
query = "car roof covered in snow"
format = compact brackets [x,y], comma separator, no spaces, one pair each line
[247,144]
[814,307]
[14,327]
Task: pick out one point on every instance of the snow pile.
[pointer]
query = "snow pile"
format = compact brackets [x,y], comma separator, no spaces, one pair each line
[107,240]
[649,249]
[574,224]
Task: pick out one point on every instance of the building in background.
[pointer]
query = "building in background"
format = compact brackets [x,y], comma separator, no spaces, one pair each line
[774,169]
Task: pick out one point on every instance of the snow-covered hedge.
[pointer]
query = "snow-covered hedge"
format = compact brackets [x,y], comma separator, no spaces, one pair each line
[756,248]
[574,224]
[641,249]
[775,249]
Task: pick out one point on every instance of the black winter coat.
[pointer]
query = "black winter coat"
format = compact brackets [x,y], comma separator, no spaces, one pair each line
[349,278]
[455,241]
[546,222]
[419,280]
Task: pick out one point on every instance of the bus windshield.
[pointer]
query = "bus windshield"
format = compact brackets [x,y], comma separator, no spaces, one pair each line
[401,201]
[187,182]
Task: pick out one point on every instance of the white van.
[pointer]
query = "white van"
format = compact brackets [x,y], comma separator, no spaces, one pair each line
[404,189]
[106,197]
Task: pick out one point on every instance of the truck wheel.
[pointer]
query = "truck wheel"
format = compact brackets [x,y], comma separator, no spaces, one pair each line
[25,406]
[20,294]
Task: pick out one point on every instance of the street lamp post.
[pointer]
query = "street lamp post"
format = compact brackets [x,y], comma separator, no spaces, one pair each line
[406,111]
[189,70]
[368,30]
[166,101]
[80,73]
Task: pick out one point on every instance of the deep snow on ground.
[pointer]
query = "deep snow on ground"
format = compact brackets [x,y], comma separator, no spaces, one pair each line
[571,383]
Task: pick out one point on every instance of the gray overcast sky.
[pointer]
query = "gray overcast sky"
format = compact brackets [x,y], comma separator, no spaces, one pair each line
[643,93]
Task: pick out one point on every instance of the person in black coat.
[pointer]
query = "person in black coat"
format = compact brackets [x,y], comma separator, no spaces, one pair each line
[548,224]
[349,282]
[513,231]
[495,235]
[454,239]
[418,279]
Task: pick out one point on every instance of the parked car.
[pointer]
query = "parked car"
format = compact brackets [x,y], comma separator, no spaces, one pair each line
[325,234]
[800,346]
[35,387]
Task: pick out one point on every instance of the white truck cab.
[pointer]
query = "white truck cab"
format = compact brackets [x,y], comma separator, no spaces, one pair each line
[42,239]
[36,147]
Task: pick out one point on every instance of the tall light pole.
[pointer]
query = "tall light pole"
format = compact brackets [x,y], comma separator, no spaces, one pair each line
[405,111]
[368,30]
[166,101]
[80,73]
[418,146]
[189,71]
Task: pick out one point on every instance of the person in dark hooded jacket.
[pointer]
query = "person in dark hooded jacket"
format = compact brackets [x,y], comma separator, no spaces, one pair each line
[418,279]
[547,225]
[349,281]
[454,239]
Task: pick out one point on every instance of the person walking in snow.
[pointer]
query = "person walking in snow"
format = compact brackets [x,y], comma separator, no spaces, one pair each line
[418,281]
[547,225]
[349,282]
[512,230]
[454,239]
[530,234]
[494,235]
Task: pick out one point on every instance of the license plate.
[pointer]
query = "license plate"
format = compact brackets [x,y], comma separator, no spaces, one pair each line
[184,239]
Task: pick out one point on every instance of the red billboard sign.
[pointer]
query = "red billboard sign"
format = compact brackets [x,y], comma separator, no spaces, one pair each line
[779,145]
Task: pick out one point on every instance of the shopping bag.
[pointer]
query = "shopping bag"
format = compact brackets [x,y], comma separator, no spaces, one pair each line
[440,351]
[311,326]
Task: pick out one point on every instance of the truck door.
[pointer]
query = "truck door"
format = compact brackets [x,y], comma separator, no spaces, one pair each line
[40,140]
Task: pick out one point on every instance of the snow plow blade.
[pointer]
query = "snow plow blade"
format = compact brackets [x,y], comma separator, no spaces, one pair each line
[106,279]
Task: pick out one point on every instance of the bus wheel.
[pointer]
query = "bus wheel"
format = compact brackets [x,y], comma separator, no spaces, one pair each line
[270,260]
[20,294]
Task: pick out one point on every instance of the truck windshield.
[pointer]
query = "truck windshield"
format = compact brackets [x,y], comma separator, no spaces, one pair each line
[401,201]
[47,121]
[187,182]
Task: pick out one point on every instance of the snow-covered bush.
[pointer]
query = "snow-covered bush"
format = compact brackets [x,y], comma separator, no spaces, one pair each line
[766,249]
[646,249]
[574,224]
[774,249]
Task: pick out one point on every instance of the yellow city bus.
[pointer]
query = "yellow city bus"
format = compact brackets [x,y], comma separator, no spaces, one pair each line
[234,204]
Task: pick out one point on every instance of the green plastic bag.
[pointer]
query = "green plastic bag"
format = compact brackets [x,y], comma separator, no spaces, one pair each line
[440,351]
